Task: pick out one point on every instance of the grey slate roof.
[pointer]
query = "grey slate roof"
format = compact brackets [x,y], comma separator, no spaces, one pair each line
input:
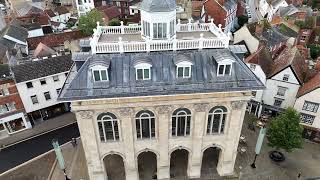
[158,5]
[273,37]
[18,32]
[122,80]
[41,68]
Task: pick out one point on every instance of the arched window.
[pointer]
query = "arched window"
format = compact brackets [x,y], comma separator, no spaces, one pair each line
[216,120]
[145,124]
[108,127]
[181,119]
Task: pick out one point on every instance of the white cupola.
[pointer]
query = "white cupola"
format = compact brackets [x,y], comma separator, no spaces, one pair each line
[158,19]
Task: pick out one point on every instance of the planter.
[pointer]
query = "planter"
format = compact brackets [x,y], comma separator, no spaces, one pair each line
[276,156]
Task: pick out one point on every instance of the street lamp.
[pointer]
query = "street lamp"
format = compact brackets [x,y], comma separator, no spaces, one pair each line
[262,133]
[59,156]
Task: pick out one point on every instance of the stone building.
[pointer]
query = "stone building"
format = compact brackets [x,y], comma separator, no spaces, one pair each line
[159,100]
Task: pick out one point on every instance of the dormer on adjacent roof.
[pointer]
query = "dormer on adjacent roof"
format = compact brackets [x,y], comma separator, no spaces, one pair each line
[143,68]
[99,69]
[183,66]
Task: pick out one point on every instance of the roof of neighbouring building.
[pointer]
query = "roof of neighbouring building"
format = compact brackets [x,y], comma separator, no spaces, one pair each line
[158,6]
[109,11]
[210,4]
[312,84]
[54,40]
[273,37]
[50,13]
[290,57]
[41,68]
[15,30]
[122,80]
[263,58]
[43,50]
[4,71]
[61,10]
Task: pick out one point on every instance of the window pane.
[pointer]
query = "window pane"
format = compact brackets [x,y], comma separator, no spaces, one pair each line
[146,73]
[209,124]
[164,30]
[153,129]
[186,71]
[216,121]
[173,126]
[224,116]
[108,130]
[180,71]
[221,69]
[228,68]
[181,126]
[159,30]
[138,128]
[145,128]
[188,125]
[155,34]
[101,131]
[116,130]
[139,74]
[96,75]
[104,75]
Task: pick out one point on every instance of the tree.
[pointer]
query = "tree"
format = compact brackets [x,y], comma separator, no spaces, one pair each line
[89,21]
[242,20]
[285,132]
[314,50]
[114,22]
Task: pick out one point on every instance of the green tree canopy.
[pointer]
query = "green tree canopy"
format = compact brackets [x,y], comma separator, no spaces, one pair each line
[285,132]
[314,50]
[242,20]
[89,21]
[114,22]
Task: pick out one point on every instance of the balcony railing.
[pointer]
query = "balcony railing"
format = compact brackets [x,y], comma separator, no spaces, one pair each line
[218,39]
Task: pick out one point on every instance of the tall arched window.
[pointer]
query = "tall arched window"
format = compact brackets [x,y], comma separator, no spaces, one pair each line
[181,119]
[145,124]
[216,120]
[108,127]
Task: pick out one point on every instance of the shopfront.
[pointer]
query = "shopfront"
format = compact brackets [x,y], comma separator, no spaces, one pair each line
[13,124]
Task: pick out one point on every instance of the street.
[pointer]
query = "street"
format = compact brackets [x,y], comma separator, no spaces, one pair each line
[19,153]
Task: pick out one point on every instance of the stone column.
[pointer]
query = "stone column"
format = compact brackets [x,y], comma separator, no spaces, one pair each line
[128,139]
[90,145]
[228,157]
[163,164]
[197,134]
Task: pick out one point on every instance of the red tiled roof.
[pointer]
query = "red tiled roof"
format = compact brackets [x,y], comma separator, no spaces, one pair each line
[54,40]
[110,12]
[290,57]
[43,50]
[309,86]
[50,13]
[263,58]
[61,10]
[196,8]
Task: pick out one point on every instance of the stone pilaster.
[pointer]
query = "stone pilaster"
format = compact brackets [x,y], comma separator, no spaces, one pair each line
[131,168]
[163,164]
[197,134]
[89,141]
[227,161]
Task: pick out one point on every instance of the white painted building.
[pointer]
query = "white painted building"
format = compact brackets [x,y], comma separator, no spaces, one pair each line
[307,103]
[269,9]
[39,84]
[152,101]
[84,6]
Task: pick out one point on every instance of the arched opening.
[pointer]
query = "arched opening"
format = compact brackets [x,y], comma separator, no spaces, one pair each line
[179,164]
[209,164]
[147,165]
[114,167]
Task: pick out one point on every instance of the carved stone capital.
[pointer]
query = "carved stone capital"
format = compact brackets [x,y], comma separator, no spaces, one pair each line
[200,107]
[125,111]
[237,104]
[164,109]
[86,114]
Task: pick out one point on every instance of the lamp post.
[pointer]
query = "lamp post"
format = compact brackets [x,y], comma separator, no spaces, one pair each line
[59,156]
[262,133]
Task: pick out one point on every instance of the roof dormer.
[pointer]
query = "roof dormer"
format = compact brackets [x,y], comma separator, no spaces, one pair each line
[99,70]
[224,67]
[143,68]
[183,66]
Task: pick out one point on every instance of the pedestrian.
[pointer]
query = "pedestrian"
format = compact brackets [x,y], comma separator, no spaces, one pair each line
[299,174]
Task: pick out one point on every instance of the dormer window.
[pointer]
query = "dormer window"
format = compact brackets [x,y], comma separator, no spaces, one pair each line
[183,71]
[183,63]
[143,69]
[224,69]
[100,75]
